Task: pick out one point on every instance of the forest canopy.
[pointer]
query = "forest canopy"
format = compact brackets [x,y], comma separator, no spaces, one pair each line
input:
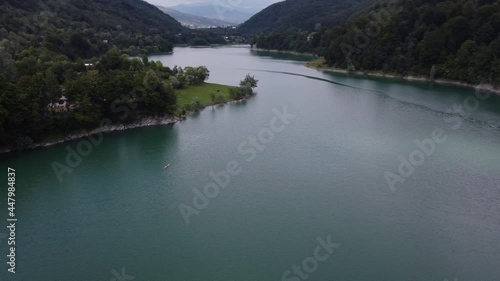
[67,65]
[457,40]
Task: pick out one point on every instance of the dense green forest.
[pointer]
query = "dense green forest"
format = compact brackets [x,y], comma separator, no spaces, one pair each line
[85,28]
[457,40]
[46,89]
[300,14]
[118,88]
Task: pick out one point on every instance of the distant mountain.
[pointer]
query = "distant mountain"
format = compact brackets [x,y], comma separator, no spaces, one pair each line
[86,28]
[213,11]
[301,14]
[193,21]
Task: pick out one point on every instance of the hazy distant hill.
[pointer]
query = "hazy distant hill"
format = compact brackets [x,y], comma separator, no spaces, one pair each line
[303,14]
[211,11]
[193,21]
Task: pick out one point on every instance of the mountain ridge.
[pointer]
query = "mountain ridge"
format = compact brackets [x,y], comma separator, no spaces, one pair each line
[300,14]
[194,21]
[224,13]
[439,39]
[86,29]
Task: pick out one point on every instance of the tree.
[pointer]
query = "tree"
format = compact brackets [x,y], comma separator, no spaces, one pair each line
[236,93]
[191,75]
[7,65]
[485,34]
[52,88]
[88,114]
[212,98]
[181,78]
[197,104]
[203,73]
[431,47]
[151,80]
[351,68]
[219,99]
[468,9]
[27,66]
[111,60]
[433,72]
[246,90]
[249,80]
[458,29]
[175,83]
[169,97]
[196,76]
[465,54]
[80,45]
[198,42]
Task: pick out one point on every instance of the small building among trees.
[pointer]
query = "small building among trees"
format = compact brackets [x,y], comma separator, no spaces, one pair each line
[61,105]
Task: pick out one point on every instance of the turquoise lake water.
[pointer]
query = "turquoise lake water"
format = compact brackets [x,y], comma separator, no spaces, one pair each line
[317,175]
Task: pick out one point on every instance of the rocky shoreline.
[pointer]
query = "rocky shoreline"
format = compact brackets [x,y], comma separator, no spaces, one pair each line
[145,122]
[281,51]
[482,87]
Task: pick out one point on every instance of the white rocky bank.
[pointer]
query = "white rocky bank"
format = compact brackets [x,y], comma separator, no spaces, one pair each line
[145,122]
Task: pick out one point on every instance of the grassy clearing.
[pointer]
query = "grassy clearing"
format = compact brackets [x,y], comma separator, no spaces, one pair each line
[317,63]
[202,92]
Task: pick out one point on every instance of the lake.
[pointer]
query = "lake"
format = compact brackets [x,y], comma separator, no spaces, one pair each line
[320,176]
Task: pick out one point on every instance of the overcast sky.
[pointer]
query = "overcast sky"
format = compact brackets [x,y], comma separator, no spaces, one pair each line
[252,4]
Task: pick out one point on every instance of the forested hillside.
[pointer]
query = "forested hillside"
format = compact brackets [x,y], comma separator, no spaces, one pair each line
[449,39]
[457,40]
[46,89]
[307,15]
[85,28]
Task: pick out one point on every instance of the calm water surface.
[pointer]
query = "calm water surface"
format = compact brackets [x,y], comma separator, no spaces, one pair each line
[323,175]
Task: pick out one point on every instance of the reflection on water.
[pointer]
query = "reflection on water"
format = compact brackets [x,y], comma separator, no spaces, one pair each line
[323,175]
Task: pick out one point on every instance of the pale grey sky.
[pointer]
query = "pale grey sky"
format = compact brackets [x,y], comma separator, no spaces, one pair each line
[255,5]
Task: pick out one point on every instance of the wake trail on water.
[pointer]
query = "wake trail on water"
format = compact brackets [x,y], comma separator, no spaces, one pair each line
[183,148]
[318,78]
[484,124]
